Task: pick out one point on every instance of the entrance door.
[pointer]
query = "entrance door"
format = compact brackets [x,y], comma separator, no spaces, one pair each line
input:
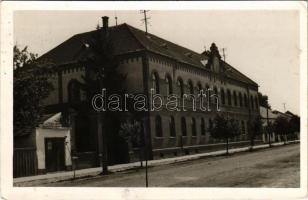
[54,154]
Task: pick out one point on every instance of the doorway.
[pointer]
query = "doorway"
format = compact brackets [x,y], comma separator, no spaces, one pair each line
[54,154]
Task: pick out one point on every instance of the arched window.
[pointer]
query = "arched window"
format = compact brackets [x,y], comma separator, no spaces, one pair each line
[202,126]
[222,96]
[193,127]
[215,91]
[256,103]
[245,100]
[74,91]
[243,127]
[235,98]
[172,127]
[241,99]
[199,86]
[210,124]
[190,87]
[229,97]
[155,82]
[183,126]
[251,101]
[169,84]
[158,127]
[207,87]
[181,87]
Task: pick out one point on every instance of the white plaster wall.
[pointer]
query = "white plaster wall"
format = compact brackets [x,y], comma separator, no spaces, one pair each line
[41,134]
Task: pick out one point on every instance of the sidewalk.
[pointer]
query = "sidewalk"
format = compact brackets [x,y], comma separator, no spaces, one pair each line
[90,172]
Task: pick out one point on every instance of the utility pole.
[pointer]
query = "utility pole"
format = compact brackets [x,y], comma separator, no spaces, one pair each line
[145,19]
[284,107]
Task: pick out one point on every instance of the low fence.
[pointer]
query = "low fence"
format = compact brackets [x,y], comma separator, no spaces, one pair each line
[205,148]
[24,162]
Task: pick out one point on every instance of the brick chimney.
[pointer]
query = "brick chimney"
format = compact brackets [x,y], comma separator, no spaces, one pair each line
[105,23]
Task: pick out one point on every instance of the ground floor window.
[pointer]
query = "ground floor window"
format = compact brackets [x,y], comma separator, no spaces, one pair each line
[172,127]
[158,127]
[183,126]
[202,126]
[193,127]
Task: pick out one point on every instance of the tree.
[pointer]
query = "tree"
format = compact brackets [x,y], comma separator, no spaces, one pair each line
[263,99]
[224,128]
[269,130]
[132,132]
[30,88]
[295,124]
[255,129]
[281,127]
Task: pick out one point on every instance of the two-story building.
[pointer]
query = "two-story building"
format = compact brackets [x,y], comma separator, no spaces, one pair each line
[150,62]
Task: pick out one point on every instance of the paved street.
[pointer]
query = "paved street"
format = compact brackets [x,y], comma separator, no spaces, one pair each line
[274,167]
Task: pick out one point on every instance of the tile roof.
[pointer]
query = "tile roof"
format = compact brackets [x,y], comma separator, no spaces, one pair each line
[126,39]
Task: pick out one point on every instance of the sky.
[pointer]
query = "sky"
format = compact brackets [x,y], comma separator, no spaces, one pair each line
[264,45]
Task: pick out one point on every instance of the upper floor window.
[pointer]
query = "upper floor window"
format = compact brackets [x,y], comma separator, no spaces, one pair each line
[181,86]
[251,101]
[222,96]
[199,86]
[169,84]
[207,87]
[190,87]
[241,99]
[74,94]
[158,126]
[256,102]
[229,97]
[245,100]
[215,91]
[235,98]
[155,82]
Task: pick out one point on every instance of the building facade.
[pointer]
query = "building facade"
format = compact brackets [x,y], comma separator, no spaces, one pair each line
[268,117]
[150,62]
